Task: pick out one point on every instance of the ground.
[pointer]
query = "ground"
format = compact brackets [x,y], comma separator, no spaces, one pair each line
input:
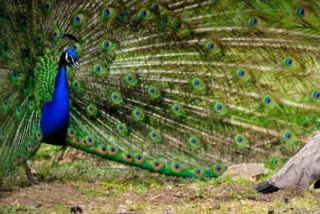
[79,183]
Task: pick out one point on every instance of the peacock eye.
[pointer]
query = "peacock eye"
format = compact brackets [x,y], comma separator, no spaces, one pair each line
[164,20]
[106,44]
[253,21]
[288,61]
[47,7]
[77,19]
[241,72]
[143,13]
[210,45]
[179,25]
[288,135]
[267,100]
[301,12]
[106,12]
[155,7]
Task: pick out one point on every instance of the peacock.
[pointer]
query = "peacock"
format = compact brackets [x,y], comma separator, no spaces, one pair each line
[179,87]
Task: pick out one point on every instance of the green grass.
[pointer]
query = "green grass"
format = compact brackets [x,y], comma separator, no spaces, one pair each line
[105,187]
[16,209]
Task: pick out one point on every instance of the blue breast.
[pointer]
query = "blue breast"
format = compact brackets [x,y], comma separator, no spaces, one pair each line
[55,114]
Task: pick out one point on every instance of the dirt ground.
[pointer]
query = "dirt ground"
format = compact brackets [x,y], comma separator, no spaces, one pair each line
[92,186]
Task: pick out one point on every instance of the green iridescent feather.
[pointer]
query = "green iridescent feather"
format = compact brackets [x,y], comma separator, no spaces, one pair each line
[46,70]
[184,88]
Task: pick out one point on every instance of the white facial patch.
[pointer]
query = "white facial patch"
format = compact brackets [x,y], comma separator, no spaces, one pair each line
[67,56]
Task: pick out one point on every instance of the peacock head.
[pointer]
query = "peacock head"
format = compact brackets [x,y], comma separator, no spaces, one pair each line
[70,57]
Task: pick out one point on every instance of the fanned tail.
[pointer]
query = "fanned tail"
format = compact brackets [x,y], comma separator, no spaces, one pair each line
[193,85]
[179,87]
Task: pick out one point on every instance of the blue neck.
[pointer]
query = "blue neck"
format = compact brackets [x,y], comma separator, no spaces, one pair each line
[55,114]
[61,92]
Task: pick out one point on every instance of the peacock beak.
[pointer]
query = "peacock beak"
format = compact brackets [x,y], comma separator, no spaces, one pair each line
[76,65]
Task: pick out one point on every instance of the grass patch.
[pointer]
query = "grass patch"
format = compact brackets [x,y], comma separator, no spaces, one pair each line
[106,187]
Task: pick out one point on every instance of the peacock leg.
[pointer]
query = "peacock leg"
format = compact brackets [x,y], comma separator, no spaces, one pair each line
[31,178]
[56,159]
